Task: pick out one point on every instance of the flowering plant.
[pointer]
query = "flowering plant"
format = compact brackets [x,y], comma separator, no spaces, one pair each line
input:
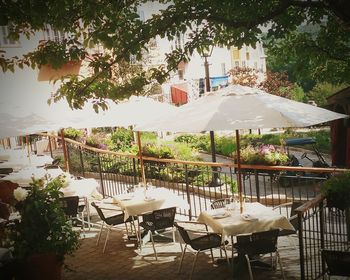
[42,226]
[264,155]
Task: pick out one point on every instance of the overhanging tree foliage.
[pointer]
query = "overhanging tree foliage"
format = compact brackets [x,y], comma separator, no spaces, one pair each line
[116,26]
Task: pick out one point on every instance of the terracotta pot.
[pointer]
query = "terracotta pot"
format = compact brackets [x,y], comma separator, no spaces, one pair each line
[42,266]
[47,73]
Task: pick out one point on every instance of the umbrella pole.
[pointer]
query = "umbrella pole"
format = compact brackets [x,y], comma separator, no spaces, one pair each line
[215,181]
[64,148]
[141,159]
[28,148]
[239,174]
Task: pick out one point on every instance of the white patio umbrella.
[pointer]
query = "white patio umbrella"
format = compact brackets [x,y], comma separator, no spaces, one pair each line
[239,107]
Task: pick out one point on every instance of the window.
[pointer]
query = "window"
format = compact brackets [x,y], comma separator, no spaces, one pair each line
[5,40]
[243,64]
[223,68]
[235,53]
[153,44]
[180,72]
[247,55]
[141,15]
[179,41]
[236,63]
[255,65]
[53,35]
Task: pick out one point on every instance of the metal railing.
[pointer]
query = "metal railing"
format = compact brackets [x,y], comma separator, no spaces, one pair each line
[320,227]
[269,185]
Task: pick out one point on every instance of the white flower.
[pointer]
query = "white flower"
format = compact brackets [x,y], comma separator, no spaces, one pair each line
[20,194]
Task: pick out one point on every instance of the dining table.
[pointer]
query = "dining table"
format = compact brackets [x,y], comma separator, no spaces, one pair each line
[19,162]
[24,176]
[142,200]
[254,218]
[230,222]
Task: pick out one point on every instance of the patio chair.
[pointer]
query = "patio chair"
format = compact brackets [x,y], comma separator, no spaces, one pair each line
[292,217]
[256,244]
[70,205]
[110,222]
[203,241]
[338,262]
[219,203]
[159,220]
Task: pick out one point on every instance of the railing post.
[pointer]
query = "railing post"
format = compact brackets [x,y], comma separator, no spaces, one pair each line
[188,193]
[81,161]
[347,222]
[50,147]
[301,245]
[322,235]
[257,186]
[135,171]
[100,171]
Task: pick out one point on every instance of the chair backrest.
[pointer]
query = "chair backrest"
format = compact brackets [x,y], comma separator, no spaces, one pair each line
[70,205]
[184,234]
[262,242]
[293,219]
[219,203]
[99,211]
[161,218]
[338,262]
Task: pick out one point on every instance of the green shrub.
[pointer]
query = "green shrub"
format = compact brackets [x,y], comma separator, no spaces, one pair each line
[120,140]
[73,133]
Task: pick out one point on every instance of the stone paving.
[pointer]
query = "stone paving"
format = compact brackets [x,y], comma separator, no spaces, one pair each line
[122,260]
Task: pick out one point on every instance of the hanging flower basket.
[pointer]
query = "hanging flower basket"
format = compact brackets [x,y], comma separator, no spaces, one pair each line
[48,73]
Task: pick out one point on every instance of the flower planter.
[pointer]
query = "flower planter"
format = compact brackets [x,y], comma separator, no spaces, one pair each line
[47,73]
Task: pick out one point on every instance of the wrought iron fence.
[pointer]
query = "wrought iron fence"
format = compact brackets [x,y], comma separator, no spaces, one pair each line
[268,185]
[320,227]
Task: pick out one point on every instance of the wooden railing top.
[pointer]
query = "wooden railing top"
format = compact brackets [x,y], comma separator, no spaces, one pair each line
[310,204]
[203,163]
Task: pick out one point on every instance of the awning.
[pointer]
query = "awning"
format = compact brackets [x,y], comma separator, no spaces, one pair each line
[179,94]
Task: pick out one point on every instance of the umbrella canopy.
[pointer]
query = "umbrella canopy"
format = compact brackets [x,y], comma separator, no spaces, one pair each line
[239,107]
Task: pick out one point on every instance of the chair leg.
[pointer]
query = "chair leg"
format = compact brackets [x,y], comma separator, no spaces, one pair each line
[154,248]
[173,230]
[212,256]
[180,241]
[194,263]
[182,258]
[104,247]
[280,263]
[99,235]
[225,251]
[249,268]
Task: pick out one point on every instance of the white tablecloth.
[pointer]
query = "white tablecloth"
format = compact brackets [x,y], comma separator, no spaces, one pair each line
[7,154]
[83,188]
[234,224]
[136,203]
[42,146]
[17,163]
[25,175]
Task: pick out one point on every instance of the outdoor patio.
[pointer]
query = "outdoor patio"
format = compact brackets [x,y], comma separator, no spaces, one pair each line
[122,260]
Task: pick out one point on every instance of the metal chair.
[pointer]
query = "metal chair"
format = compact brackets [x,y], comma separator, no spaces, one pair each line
[159,220]
[292,217]
[70,205]
[110,222]
[205,241]
[258,243]
[219,203]
[338,262]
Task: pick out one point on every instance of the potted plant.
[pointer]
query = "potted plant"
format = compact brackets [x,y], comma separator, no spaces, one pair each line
[41,236]
[337,191]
